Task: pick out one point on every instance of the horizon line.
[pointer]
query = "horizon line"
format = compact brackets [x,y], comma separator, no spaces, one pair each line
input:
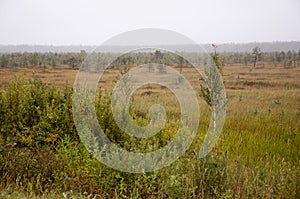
[217,43]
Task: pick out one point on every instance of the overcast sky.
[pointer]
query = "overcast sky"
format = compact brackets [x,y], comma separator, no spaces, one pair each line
[91,22]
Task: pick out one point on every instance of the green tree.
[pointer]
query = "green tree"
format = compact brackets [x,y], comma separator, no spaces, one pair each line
[181,61]
[288,57]
[205,91]
[72,62]
[257,53]
[158,56]
[34,59]
[4,61]
[212,92]
[281,56]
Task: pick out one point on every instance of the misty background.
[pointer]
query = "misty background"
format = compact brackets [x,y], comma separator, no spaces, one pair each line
[83,24]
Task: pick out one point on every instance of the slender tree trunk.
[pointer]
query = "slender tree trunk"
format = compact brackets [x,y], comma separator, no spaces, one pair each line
[255,59]
[214,110]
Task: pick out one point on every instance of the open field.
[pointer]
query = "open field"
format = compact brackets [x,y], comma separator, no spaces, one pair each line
[236,77]
[256,157]
[275,88]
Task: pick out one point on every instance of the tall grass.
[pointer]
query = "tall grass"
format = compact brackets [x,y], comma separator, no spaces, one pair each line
[42,156]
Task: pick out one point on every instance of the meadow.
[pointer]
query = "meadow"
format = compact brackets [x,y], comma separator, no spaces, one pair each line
[41,155]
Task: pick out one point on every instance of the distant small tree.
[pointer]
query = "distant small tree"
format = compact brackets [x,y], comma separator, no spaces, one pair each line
[181,61]
[288,59]
[294,59]
[257,53]
[72,62]
[246,60]
[281,56]
[158,56]
[4,61]
[53,63]
[34,59]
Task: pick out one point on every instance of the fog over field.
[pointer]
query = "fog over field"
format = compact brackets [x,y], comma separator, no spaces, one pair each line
[229,47]
[92,22]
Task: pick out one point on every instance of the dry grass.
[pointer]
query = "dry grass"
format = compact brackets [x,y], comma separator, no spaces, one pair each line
[266,89]
[269,89]
[260,141]
[236,77]
[53,76]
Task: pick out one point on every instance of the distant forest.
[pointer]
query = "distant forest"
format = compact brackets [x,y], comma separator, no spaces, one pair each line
[73,60]
[228,47]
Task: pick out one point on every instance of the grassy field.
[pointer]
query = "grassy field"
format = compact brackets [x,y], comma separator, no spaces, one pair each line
[256,157]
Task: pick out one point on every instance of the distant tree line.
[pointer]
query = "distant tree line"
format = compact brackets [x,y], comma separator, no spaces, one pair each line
[74,60]
[42,60]
[287,59]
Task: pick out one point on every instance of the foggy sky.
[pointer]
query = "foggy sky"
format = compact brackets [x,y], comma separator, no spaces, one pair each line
[91,22]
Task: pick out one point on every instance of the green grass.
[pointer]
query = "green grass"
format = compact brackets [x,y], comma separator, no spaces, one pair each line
[41,155]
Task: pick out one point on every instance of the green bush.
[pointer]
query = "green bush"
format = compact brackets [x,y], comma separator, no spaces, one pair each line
[35,114]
